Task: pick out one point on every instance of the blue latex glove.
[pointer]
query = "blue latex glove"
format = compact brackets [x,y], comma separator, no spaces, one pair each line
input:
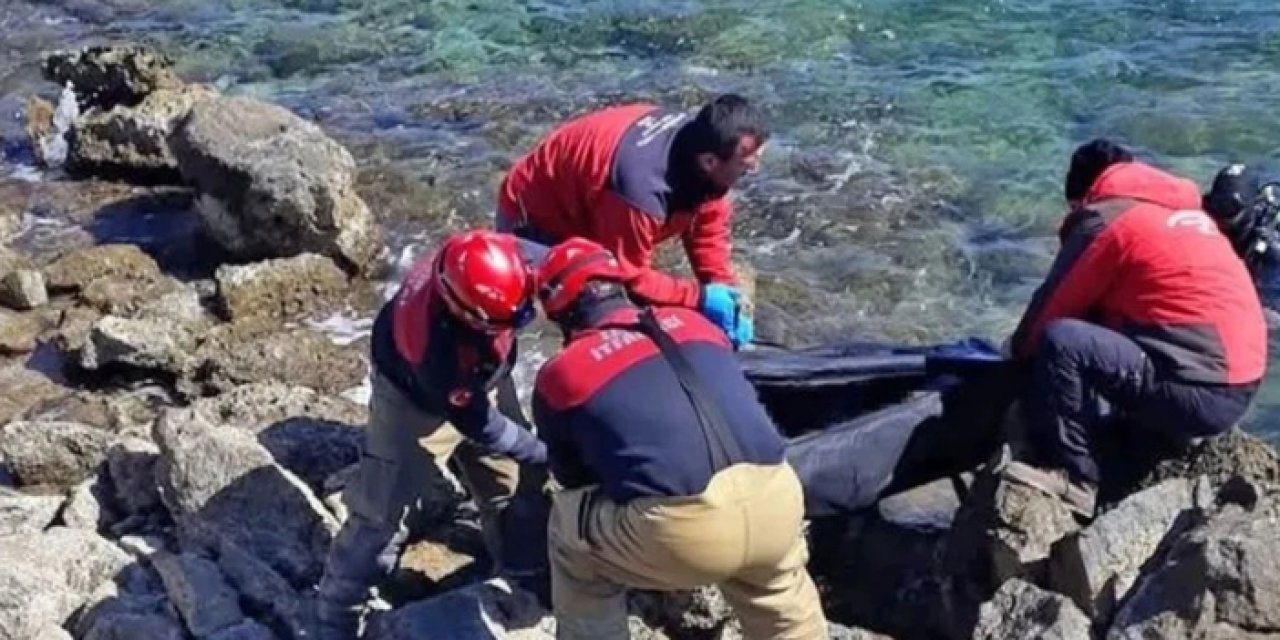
[720,305]
[744,333]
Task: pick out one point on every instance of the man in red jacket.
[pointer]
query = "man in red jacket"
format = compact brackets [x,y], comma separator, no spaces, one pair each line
[633,176]
[1147,307]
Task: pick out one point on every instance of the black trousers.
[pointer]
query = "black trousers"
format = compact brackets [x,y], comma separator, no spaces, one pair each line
[1082,369]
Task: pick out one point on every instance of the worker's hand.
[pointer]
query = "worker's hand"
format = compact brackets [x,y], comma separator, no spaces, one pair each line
[720,305]
[744,333]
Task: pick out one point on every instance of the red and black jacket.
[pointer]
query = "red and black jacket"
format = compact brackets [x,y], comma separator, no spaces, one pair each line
[446,368]
[612,410]
[1141,257]
[603,177]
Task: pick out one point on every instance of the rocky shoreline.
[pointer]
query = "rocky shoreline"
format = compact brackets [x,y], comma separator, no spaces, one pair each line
[176,435]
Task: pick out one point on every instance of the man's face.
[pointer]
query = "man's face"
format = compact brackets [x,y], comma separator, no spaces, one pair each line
[725,172]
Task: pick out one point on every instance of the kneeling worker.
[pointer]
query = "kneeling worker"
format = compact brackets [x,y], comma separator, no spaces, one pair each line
[440,347]
[674,474]
[1148,307]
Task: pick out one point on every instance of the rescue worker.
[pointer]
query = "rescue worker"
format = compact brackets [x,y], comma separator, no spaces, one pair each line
[631,177]
[1146,307]
[440,347]
[673,473]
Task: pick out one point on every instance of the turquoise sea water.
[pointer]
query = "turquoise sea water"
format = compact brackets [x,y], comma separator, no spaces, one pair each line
[913,182]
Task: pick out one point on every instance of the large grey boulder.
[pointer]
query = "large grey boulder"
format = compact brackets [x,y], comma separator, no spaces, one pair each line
[221,484]
[311,434]
[198,590]
[59,454]
[271,184]
[1022,611]
[1096,567]
[45,577]
[1219,578]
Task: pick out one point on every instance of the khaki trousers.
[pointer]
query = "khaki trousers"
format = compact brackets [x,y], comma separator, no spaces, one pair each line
[403,447]
[743,533]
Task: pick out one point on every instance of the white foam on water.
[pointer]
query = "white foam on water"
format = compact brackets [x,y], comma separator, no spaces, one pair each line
[26,173]
[341,328]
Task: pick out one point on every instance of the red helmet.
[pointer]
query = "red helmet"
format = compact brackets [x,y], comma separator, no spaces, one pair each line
[566,269]
[484,281]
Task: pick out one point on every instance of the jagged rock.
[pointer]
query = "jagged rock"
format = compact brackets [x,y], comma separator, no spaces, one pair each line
[149,345]
[482,611]
[132,142]
[1217,579]
[1002,531]
[134,605]
[311,434]
[105,76]
[45,577]
[699,613]
[132,462]
[247,630]
[1022,611]
[1010,529]
[1233,454]
[254,351]
[89,506]
[59,454]
[83,407]
[19,331]
[11,260]
[73,328]
[1097,566]
[879,573]
[197,589]
[23,289]
[280,288]
[124,296]
[180,305]
[22,388]
[74,271]
[441,557]
[22,513]
[264,591]
[135,626]
[273,185]
[219,483]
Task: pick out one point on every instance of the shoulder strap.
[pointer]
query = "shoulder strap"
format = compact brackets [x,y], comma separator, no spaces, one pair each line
[722,446]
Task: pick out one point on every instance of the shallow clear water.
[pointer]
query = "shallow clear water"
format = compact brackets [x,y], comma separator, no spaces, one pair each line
[914,178]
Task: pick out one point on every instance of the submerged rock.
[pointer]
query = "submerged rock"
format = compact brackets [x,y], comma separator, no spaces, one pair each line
[220,484]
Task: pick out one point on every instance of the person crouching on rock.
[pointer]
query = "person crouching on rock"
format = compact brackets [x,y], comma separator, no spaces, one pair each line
[673,474]
[440,348]
[1148,308]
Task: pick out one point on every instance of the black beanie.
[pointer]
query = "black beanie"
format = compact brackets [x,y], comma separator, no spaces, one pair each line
[1088,162]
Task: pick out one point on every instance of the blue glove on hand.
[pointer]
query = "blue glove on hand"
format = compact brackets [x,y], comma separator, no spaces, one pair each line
[720,305]
[744,333]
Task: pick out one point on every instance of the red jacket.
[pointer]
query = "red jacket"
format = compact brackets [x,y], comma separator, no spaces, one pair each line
[602,177]
[1140,257]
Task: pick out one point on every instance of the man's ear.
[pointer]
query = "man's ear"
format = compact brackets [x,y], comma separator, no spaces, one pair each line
[708,162]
